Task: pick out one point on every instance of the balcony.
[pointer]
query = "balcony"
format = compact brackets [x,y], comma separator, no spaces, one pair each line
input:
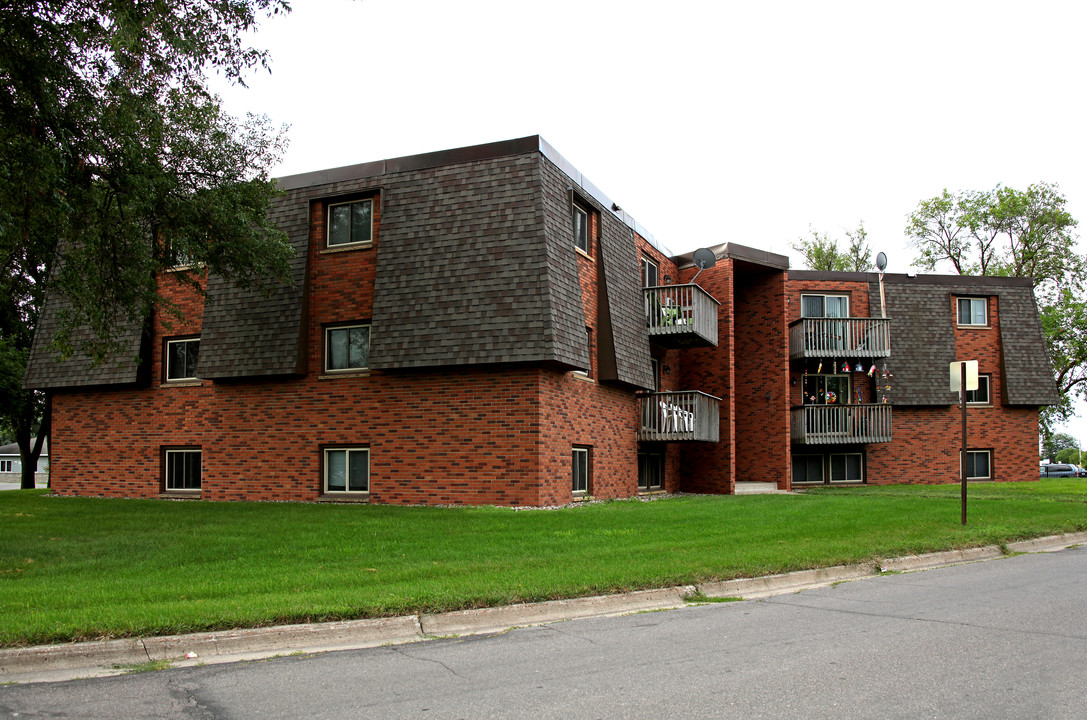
[840,424]
[681,316]
[682,415]
[839,338]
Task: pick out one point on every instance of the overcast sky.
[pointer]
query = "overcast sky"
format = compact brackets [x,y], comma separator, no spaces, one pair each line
[709,122]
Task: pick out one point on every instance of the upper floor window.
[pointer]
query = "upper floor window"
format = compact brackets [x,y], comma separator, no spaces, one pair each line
[819,306]
[347,347]
[580,219]
[181,356]
[972,311]
[351,223]
[980,396]
[650,273]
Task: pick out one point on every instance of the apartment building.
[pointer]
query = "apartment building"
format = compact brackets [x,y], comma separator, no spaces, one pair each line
[484,325]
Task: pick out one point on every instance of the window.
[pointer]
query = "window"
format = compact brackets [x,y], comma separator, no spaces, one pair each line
[650,273]
[830,306]
[347,470]
[826,389]
[972,311]
[580,217]
[807,469]
[580,470]
[183,470]
[981,395]
[846,468]
[650,471]
[347,348]
[181,358]
[5,465]
[978,465]
[350,223]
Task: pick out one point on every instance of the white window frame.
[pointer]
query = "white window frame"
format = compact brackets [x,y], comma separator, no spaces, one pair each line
[169,360]
[970,314]
[577,210]
[328,348]
[830,468]
[989,462]
[6,465]
[986,381]
[824,296]
[650,263]
[347,451]
[170,482]
[580,470]
[350,243]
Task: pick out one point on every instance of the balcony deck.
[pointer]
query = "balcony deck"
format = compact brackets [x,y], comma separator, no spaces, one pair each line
[678,416]
[841,424]
[839,338]
[681,316]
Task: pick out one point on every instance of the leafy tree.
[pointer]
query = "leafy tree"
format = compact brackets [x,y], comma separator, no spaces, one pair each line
[1022,233]
[115,161]
[1055,443]
[1069,455]
[821,252]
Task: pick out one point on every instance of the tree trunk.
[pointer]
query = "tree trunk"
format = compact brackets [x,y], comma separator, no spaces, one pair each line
[30,448]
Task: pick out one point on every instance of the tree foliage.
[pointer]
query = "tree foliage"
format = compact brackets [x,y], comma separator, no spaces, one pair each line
[1056,443]
[821,252]
[116,161]
[1021,233]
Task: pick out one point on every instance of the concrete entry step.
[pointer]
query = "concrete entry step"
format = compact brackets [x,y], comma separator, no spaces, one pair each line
[757,488]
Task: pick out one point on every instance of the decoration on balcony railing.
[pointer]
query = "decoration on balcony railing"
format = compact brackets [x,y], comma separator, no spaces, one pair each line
[883,384]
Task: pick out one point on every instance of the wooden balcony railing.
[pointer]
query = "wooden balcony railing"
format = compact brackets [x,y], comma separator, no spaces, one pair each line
[682,415]
[839,337]
[681,315]
[836,424]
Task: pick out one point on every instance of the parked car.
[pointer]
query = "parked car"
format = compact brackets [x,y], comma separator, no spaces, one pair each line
[1061,470]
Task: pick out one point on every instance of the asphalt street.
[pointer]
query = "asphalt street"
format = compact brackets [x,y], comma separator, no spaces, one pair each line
[1000,639]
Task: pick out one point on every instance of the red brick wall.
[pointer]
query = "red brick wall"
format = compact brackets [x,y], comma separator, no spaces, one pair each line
[710,467]
[762,384]
[500,435]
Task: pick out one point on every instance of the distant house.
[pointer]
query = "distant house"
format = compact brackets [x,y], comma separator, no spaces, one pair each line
[484,325]
[11,464]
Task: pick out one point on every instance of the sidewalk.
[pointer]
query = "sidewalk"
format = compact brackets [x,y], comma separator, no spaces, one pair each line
[112,657]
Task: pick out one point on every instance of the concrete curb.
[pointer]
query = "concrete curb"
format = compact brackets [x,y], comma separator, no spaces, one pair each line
[498,619]
[98,658]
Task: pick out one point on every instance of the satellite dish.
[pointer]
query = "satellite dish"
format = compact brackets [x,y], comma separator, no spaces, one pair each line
[703,258]
[881,261]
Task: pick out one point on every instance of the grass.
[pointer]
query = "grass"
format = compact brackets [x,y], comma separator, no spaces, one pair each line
[87,568]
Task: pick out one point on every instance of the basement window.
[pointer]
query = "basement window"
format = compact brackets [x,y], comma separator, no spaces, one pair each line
[183,470]
[979,465]
[580,470]
[347,470]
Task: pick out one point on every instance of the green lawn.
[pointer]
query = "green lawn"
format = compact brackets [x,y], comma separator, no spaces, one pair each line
[81,568]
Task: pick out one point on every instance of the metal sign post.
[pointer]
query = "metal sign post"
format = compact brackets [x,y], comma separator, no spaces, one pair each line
[964,377]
